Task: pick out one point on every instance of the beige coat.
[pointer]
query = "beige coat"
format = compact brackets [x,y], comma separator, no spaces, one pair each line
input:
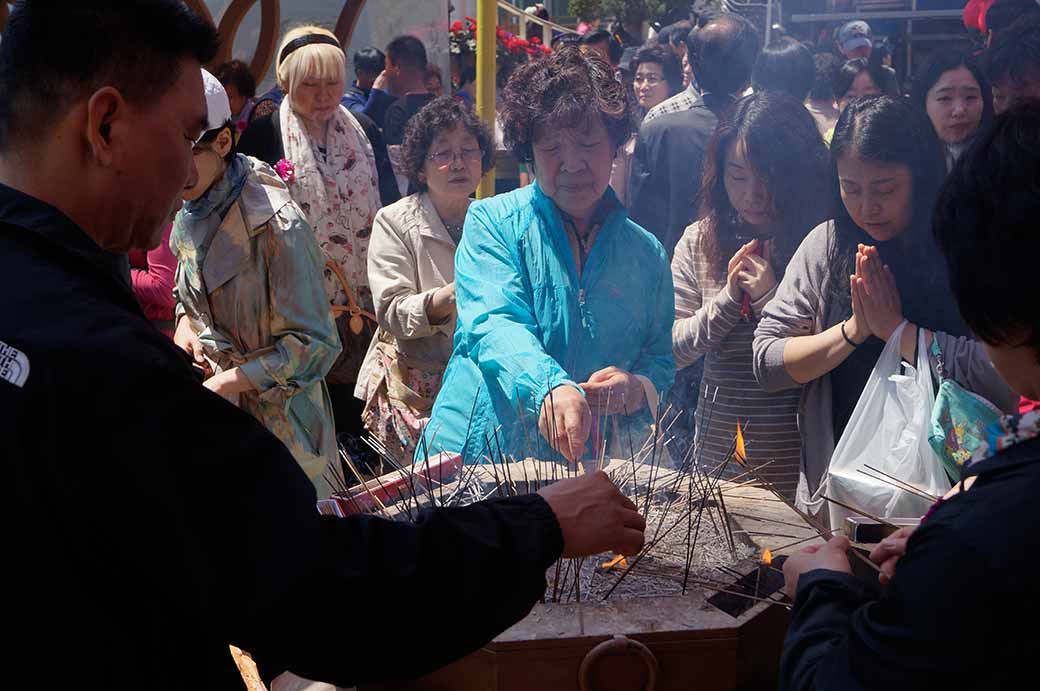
[410,256]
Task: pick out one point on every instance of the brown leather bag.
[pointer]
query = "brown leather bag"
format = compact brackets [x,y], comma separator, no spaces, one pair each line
[356,328]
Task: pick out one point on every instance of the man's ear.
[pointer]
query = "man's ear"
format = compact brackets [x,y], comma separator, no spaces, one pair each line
[106,112]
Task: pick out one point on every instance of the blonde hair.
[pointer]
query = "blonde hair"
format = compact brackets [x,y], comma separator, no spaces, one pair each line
[314,61]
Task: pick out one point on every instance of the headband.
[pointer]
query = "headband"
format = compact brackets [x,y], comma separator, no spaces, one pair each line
[302,41]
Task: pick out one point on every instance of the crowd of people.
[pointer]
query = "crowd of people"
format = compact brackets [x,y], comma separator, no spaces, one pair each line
[711,235]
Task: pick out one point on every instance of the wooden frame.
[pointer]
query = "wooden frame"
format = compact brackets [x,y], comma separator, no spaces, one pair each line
[270,28]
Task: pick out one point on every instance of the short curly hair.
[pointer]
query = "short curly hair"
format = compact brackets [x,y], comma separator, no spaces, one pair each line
[442,114]
[560,91]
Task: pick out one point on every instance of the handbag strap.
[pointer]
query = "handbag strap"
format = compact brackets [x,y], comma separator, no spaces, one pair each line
[351,306]
[936,352]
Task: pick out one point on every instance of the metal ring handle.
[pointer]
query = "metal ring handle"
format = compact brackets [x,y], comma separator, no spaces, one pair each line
[618,644]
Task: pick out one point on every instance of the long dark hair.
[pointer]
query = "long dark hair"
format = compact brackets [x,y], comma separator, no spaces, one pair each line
[847,73]
[945,61]
[786,151]
[888,130]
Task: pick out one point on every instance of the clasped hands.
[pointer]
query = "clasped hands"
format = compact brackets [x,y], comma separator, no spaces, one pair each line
[228,383]
[877,309]
[566,415]
[750,273]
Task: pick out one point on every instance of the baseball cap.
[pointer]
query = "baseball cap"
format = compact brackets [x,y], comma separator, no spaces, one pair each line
[218,108]
[855,35]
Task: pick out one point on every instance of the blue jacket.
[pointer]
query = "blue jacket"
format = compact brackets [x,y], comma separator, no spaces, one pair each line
[527,324]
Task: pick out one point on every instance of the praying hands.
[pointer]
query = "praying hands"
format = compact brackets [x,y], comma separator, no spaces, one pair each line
[875,299]
[875,296]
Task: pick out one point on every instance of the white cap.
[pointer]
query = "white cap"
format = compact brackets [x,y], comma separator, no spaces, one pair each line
[218,108]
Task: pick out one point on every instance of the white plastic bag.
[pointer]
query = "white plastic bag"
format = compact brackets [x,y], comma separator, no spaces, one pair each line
[889,431]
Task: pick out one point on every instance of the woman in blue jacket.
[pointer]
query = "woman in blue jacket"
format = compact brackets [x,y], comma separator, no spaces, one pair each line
[565,306]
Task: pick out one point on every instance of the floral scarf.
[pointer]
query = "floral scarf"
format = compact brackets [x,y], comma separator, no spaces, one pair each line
[339,194]
[1006,432]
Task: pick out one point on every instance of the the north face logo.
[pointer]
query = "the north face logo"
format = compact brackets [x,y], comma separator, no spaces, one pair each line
[14,365]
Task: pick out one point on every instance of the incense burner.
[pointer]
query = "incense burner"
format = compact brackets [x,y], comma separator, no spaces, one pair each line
[703,640]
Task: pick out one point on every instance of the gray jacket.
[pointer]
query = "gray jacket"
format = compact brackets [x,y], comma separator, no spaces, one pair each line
[800,309]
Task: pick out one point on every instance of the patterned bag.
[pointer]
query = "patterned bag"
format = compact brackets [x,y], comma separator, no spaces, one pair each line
[960,419]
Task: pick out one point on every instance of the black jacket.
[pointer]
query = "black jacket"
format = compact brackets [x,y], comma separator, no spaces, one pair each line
[961,612]
[263,140]
[667,167]
[400,112]
[148,523]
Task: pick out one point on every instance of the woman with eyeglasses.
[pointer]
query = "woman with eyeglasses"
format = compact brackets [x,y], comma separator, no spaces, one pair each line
[657,76]
[411,269]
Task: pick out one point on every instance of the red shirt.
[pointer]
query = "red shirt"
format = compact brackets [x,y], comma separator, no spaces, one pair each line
[152,275]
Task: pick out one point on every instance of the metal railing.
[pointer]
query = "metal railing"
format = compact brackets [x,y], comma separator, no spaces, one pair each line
[521,17]
[771,8]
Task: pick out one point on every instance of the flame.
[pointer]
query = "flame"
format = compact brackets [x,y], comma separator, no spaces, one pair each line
[767,558]
[741,452]
[618,560]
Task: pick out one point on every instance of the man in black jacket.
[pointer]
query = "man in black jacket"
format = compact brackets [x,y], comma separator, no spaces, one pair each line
[406,73]
[962,599]
[669,157]
[148,523]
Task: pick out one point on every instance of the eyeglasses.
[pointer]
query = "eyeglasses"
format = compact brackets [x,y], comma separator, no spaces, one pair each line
[648,79]
[446,158]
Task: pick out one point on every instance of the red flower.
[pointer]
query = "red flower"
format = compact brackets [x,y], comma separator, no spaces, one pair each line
[456,27]
[471,20]
[546,49]
[286,171]
[535,40]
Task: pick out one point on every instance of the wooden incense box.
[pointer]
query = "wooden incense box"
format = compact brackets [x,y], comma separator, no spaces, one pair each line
[669,643]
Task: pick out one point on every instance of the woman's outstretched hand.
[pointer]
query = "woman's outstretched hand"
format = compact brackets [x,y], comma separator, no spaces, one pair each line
[566,421]
[613,391]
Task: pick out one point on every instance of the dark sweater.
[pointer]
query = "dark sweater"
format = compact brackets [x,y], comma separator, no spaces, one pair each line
[398,115]
[667,166]
[961,612]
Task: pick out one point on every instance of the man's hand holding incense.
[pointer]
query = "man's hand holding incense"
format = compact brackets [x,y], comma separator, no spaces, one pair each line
[566,421]
[613,391]
[594,516]
[830,556]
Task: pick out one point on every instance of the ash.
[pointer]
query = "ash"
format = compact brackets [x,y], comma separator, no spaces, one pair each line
[660,572]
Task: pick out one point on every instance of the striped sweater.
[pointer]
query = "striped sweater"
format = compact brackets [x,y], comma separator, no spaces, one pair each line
[708,324]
